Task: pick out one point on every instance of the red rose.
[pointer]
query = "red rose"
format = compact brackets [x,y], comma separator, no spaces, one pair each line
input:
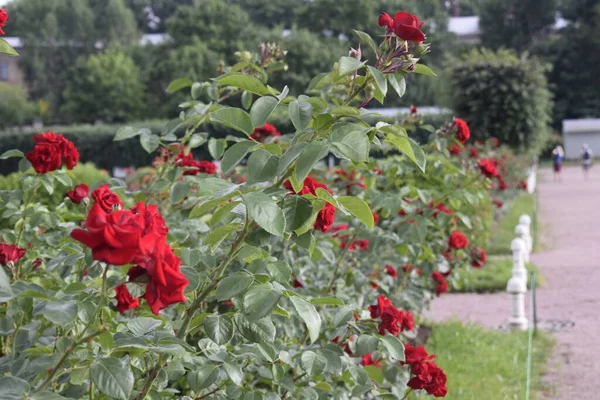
[385,20]
[207,167]
[455,150]
[36,263]
[375,217]
[298,284]
[430,377]
[10,253]
[473,152]
[125,300]
[378,171]
[402,213]
[478,257]
[406,26]
[391,271]
[337,228]
[441,286]
[495,142]
[367,359]
[497,203]
[326,216]
[3,19]
[488,168]
[457,241]
[79,193]
[261,134]
[392,320]
[440,208]
[415,355]
[106,199]
[502,183]
[413,110]
[463,133]
[523,185]
[45,158]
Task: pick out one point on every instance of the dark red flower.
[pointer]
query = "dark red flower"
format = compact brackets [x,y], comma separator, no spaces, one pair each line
[430,377]
[523,185]
[441,286]
[228,303]
[497,203]
[3,19]
[298,284]
[488,168]
[207,167]
[79,193]
[125,300]
[406,26]
[392,320]
[10,253]
[473,152]
[378,171]
[455,150]
[457,241]
[402,213]
[440,208]
[374,285]
[345,346]
[45,158]
[502,184]
[260,134]
[495,141]
[36,263]
[375,217]
[413,110]
[326,216]
[416,355]
[367,359]
[478,257]
[385,20]
[391,271]
[106,199]
[463,133]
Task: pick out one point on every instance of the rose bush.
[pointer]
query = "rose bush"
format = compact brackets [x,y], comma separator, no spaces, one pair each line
[264,274]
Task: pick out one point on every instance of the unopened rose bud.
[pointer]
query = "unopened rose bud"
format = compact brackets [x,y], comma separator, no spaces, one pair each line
[355,53]
[245,56]
[37,263]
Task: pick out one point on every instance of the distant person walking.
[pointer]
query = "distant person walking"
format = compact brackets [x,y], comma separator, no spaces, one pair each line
[558,156]
[586,160]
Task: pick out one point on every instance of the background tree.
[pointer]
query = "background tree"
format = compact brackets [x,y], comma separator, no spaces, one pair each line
[118,25]
[151,15]
[15,109]
[106,87]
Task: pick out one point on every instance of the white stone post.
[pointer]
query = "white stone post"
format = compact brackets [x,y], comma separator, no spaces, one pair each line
[525,221]
[517,285]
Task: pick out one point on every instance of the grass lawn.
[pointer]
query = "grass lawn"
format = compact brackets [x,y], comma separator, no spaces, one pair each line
[493,277]
[504,231]
[488,364]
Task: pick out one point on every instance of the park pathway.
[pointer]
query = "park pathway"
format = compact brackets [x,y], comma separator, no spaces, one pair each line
[570,264]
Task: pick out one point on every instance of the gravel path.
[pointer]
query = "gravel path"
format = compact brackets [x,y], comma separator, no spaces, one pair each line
[570,264]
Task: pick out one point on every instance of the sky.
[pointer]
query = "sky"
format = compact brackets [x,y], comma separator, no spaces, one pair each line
[3,2]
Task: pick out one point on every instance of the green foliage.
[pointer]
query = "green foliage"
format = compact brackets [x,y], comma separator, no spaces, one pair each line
[15,109]
[502,95]
[504,230]
[106,87]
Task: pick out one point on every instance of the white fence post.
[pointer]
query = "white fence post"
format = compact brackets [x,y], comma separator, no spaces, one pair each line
[517,285]
[525,221]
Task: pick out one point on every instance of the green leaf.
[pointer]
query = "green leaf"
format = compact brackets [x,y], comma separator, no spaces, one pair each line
[47,183]
[347,65]
[215,238]
[366,39]
[190,257]
[327,301]
[196,90]
[11,154]
[12,388]
[262,166]
[233,285]
[245,82]
[235,154]
[394,346]
[410,148]
[300,113]
[179,191]
[234,118]
[366,344]
[203,377]
[65,180]
[350,141]
[260,332]
[311,154]
[359,208]
[143,325]
[398,83]
[47,396]
[149,142]
[377,375]
[297,210]
[197,140]
[179,84]
[423,70]
[223,212]
[246,99]
[7,326]
[265,212]
[313,363]
[216,147]
[24,165]
[126,132]
[309,315]
[260,300]
[219,328]
[112,378]
[6,48]
[280,271]
[6,292]
[61,314]
[380,81]
[234,372]
[325,195]
[289,156]
[262,109]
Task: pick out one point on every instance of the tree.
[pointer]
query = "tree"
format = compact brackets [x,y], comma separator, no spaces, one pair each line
[117,25]
[270,13]
[515,24]
[106,87]
[151,15]
[15,109]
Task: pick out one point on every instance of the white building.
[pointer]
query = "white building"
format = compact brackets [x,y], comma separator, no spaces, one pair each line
[577,132]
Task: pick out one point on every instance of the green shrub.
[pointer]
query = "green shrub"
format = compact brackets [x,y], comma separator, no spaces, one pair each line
[502,95]
[15,109]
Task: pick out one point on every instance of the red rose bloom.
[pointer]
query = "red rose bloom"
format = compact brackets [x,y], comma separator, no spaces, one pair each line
[79,193]
[392,320]
[440,208]
[497,203]
[488,168]
[523,185]
[413,110]
[473,152]
[298,284]
[463,133]
[207,167]
[10,253]
[375,217]
[430,377]
[457,241]
[385,20]
[391,271]
[36,263]
[406,26]
[326,216]
[261,134]
[415,355]
[478,257]
[502,184]
[455,150]
[441,286]
[45,158]
[125,300]
[3,19]
[106,199]
[367,359]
